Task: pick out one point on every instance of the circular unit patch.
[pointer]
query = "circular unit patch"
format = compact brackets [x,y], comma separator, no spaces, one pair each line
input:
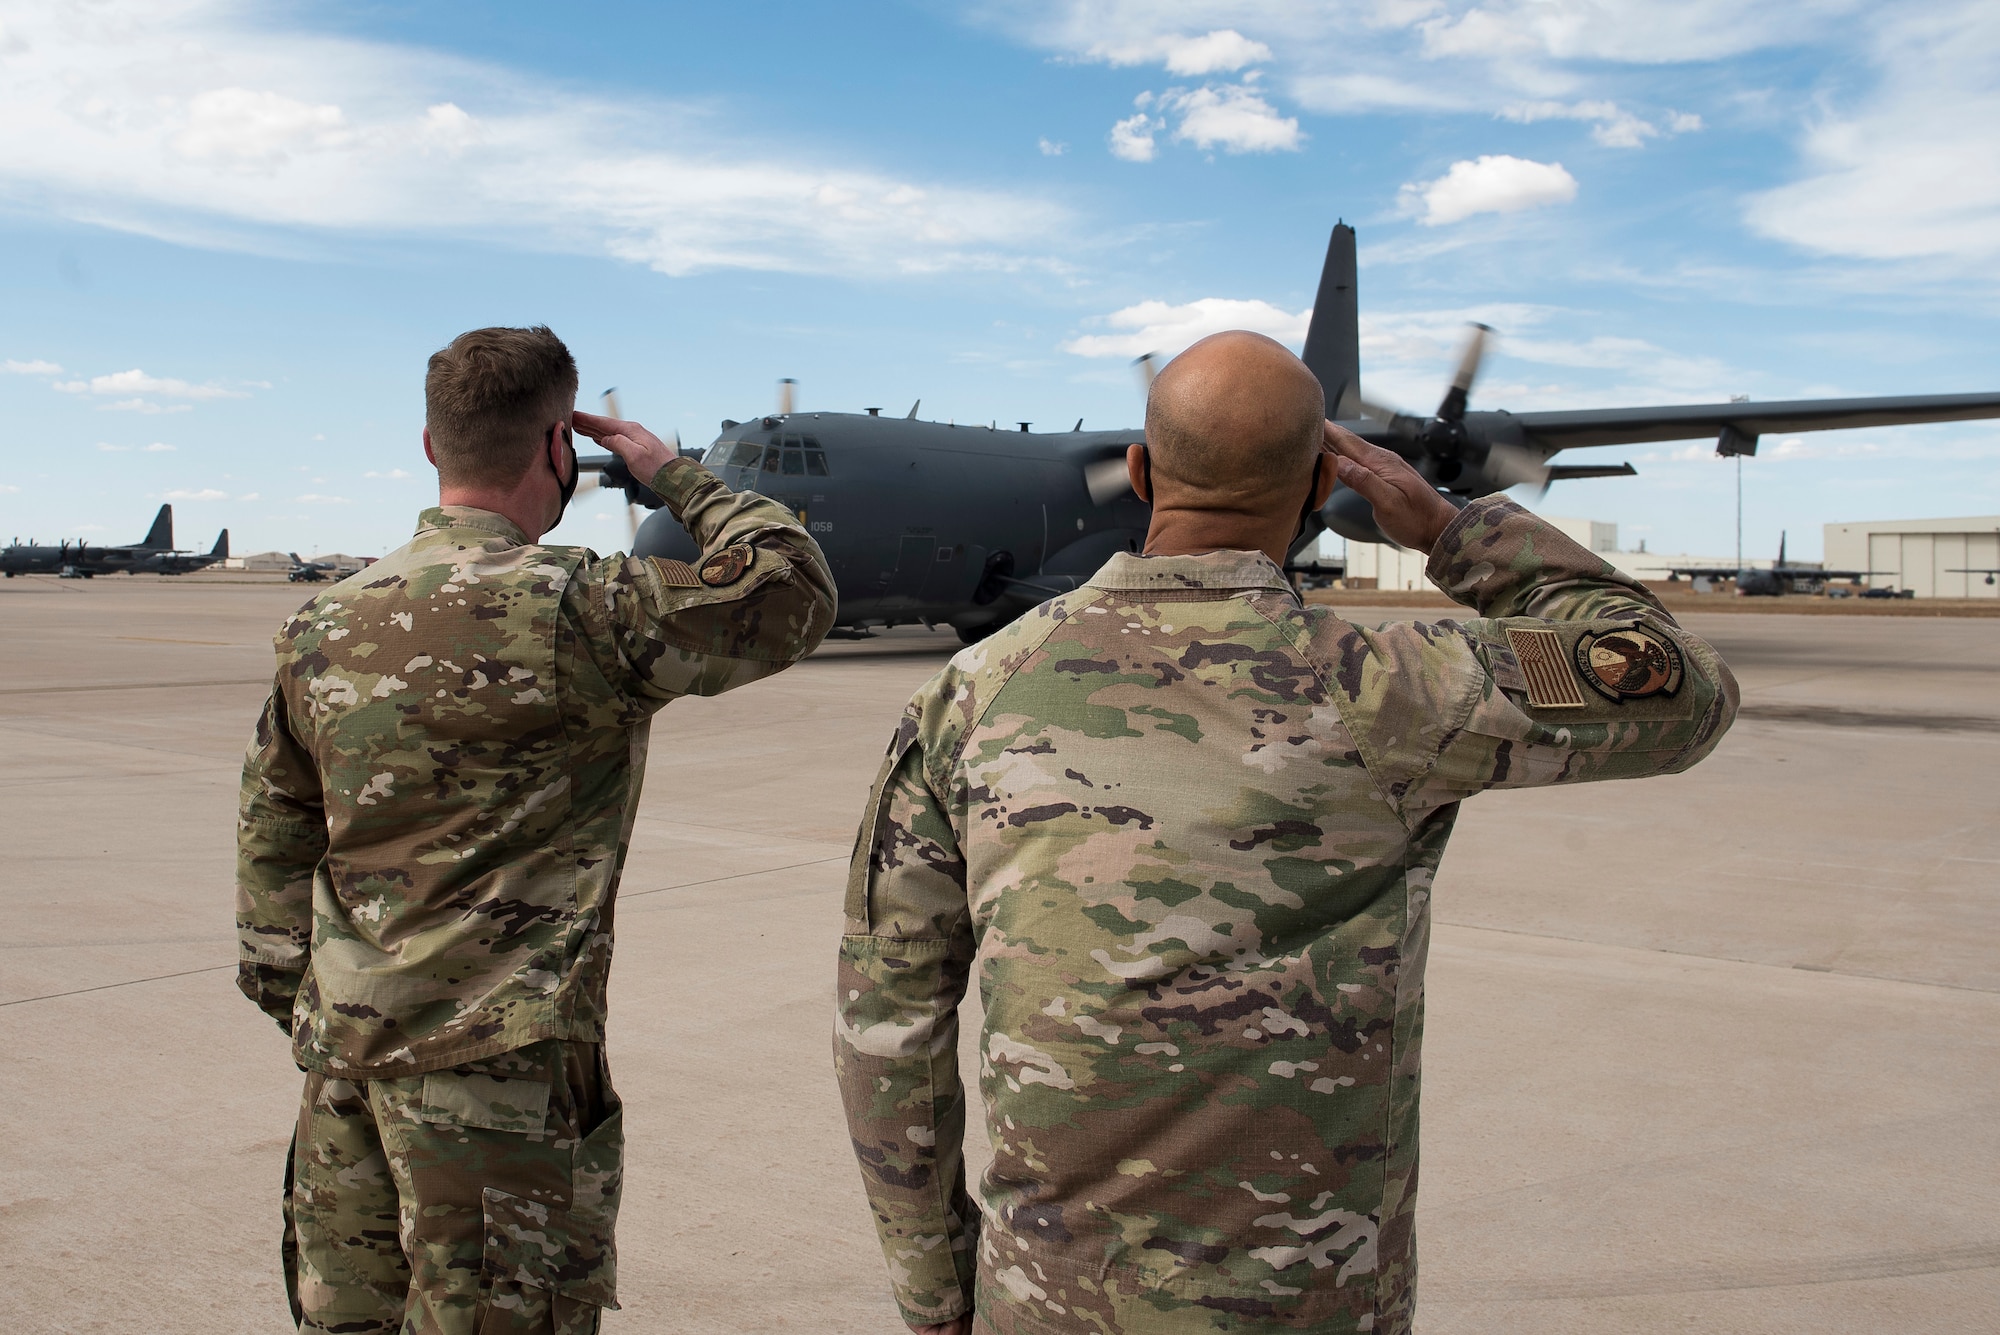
[725,567]
[1629,664]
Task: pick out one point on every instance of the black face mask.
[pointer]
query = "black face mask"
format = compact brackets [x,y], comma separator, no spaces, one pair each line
[568,487]
[1312,491]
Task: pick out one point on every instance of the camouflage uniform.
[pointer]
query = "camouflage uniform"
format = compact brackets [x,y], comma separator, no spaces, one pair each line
[1183,829]
[434,813]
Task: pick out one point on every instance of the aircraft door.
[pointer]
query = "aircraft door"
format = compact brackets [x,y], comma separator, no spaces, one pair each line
[916,554]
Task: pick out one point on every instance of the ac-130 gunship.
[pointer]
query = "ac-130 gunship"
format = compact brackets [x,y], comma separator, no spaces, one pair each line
[969,526]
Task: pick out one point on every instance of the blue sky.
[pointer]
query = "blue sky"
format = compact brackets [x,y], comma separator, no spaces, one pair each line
[231,233]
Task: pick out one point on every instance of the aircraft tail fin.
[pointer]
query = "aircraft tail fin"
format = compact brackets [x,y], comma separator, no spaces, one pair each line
[160,536]
[295,558]
[221,549]
[1333,339]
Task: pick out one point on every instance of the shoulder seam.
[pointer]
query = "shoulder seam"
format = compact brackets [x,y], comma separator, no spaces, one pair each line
[1058,618]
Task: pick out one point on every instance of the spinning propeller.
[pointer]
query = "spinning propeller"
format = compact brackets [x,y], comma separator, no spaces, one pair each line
[609,473]
[1443,450]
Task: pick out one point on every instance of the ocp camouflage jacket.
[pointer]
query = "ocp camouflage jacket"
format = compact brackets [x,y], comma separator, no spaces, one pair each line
[1183,829]
[443,783]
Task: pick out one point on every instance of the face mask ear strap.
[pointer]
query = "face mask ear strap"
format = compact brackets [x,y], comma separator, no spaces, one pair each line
[1146,468]
[1312,494]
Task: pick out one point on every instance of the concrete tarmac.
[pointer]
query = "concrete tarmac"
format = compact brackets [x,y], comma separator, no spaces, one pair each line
[1716,1052]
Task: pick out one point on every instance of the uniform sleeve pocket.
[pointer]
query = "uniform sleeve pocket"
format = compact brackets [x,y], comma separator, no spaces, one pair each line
[533,1245]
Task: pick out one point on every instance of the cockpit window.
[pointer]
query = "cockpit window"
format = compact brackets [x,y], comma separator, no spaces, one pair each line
[815,458]
[795,463]
[733,453]
[770,458]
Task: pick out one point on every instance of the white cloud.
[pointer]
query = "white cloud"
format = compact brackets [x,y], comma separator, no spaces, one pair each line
[146,406]
[1232,117]
[1157,326]
[1050,148]
[136,381]
[33,367]
[108,448]
[1220,51]
[206,122]
[9,488]
[255,130]
[315,498]
[205,494]
[1630,31]
[157,447]
[1913,171]
[1132,138]
[1495,183]
[392,473]
[1611,125]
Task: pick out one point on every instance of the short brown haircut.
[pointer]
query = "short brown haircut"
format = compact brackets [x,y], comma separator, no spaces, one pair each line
[489,398]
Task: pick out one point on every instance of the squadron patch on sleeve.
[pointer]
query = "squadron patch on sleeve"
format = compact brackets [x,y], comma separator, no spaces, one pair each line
[675,574]
[725,567]
[1551,685]
[1631,663]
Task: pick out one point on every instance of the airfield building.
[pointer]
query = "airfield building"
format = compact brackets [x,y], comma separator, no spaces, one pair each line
[1927,556]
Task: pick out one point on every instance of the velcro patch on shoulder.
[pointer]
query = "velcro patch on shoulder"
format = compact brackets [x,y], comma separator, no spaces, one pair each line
[675,574]
[1551,683]
[725,567]
[1630,663]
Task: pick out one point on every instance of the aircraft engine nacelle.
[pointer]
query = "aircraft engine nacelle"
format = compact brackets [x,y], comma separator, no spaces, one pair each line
[662,536]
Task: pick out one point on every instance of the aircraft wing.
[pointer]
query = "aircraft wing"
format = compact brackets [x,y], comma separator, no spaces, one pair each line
[1629,426]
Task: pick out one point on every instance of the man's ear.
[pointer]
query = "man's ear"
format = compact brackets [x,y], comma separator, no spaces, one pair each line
[558,445]
[429,453]
[1137,471]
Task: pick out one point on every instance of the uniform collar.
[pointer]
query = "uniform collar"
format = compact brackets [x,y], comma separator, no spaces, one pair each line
[1210,570]
[444,517]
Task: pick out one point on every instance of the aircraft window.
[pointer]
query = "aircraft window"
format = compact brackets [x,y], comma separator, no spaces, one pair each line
[795,463]
[734,453]
[816,463]
[770,458]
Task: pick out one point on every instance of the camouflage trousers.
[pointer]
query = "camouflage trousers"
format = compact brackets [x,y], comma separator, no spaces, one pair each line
[478,1200]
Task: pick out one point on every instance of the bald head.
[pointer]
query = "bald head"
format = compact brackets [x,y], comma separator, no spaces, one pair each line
[1233,423]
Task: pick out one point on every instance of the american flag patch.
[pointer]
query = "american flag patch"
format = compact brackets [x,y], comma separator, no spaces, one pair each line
[1551,683]
[676,574]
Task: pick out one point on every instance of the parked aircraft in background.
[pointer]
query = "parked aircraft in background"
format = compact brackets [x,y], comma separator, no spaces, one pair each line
[1781,578]
[308,572]
[152,555]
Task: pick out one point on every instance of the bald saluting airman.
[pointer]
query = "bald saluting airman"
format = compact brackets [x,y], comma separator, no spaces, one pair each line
[1182,831]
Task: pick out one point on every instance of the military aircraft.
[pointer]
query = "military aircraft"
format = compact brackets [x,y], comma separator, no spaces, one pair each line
[308,572]
[154,554]
[969,525]
[1988,571]
[1781,578]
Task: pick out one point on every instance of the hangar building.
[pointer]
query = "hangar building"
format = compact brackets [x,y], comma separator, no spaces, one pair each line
[1922,554]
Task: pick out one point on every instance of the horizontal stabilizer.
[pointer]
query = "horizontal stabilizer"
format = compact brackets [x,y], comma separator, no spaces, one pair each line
[1577,472]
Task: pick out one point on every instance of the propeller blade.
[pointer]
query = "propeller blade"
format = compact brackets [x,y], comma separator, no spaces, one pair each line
[788,390]
[1453,407]
[1106,479]
[609,398]
[1148,371]
[1403,424]
[1512,466]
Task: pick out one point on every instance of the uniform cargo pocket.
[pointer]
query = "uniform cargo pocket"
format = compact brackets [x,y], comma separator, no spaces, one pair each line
[537,1246]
